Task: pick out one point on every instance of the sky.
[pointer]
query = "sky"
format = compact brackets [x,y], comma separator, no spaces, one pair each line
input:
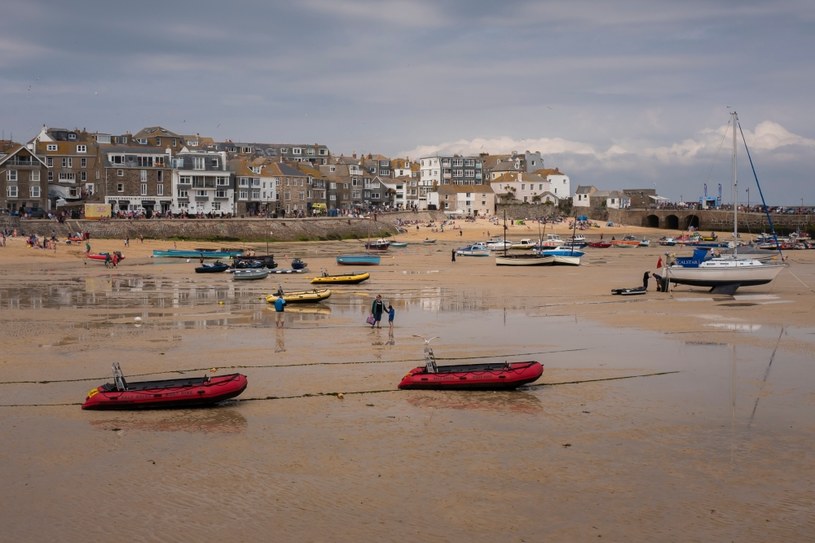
[625,94]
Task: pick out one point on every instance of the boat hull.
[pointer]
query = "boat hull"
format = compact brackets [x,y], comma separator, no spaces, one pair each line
[191,253]
[341,279]
[523,260]
[491,376]
[358,260]
[169,393]
[250,274]
[212,268]
[301,296]
[708,275]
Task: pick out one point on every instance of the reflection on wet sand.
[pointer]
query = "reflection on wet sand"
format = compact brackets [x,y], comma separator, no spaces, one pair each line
[225,418]
[509,400]
[280,340]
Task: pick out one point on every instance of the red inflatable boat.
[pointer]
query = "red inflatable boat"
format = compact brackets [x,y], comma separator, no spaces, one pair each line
[486,376]
[182,392]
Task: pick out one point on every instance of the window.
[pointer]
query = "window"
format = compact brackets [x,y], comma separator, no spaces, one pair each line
[120,187]
[222,181]
[120,173]
[51,147]
[49,161]
[198,163]
[243,195]
[34,190]
[81,148]
[185,180]
[83,175]
[220,193]
[296,151]
[11,191]
[143,175]
[160,176]
[35,176]
[90,189]
[144,189]
[83,162]
[201,193]
[11,175]
[183,194]
[159,190]
[67,162]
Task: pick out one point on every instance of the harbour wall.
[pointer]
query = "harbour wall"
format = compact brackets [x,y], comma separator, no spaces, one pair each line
[249,230]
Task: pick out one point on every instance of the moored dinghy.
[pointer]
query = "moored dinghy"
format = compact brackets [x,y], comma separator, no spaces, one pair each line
[300,296]
[165,393]
[340,278]
[485,376]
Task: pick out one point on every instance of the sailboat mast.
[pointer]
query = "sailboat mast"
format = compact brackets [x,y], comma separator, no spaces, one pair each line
[735,185]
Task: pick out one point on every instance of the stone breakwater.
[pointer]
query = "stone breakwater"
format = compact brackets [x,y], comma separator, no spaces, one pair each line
[251,230]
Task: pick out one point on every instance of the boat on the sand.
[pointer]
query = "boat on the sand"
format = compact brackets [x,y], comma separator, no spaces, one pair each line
[300,296]
[352,278]
[165,393]
[481,376]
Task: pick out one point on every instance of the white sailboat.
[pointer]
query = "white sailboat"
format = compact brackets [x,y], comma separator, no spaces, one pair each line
[723,274]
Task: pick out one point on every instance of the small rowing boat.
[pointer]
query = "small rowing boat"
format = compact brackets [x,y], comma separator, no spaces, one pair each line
[214,267]
[250,274]
[359,260]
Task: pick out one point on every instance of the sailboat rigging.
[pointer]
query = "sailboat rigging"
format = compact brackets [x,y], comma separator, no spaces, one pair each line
[726,273]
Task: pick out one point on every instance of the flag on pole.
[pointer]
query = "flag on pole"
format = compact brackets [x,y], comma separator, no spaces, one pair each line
[659,263]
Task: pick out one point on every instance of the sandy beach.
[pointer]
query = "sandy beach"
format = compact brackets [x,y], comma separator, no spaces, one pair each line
[670,416]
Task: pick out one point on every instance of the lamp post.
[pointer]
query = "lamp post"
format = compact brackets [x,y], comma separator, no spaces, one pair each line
[748,198]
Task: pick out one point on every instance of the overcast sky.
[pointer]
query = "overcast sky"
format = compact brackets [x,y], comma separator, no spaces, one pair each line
[617,94]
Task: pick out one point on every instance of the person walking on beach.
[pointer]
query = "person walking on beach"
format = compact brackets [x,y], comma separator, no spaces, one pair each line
[377,308]
[645,277]
[391,315]
[279,307]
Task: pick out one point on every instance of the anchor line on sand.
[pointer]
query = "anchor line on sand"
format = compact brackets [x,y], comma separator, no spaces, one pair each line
[276,366]
[379,391]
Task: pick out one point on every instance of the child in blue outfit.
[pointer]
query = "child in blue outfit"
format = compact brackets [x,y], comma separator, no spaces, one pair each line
[391,315]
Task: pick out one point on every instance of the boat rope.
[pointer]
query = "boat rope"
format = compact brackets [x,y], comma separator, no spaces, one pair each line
[275,366]
[341,395]
[760,193]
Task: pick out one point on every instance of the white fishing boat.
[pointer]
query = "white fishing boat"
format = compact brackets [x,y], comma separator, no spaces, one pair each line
[568,256]
[551,241]
[726,273]
[523,259]
[476,249]
[498,244]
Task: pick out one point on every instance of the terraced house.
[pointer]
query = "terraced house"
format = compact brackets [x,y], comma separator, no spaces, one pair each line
[23,185]
[73,169]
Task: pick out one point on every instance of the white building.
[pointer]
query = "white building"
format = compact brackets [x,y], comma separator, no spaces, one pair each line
[202,184]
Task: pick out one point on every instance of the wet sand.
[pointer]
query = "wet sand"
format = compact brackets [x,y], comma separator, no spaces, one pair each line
[671,416]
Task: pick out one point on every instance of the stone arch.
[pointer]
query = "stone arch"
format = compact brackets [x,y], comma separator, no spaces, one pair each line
[651,221]
[692,220]
[671,222]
